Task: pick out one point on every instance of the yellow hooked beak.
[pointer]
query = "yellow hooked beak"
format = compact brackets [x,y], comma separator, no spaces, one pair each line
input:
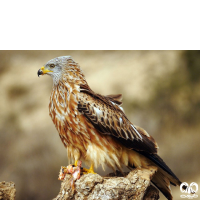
[43,71]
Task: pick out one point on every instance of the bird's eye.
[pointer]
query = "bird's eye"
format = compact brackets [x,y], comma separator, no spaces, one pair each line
[51,65]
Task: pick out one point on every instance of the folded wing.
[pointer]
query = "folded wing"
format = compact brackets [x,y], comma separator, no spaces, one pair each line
[106,115]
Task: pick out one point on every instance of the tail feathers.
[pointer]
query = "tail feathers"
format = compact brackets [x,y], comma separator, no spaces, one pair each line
[164,176]
[163,184]
[160,163]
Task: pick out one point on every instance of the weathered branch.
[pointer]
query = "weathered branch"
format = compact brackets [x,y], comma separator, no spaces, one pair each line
[135,185]
[7,190]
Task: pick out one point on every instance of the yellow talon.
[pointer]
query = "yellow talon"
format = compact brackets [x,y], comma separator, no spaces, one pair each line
[87,171]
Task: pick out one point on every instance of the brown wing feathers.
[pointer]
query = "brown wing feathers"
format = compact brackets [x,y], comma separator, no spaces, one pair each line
[115,98]
[113,121]
[102,121]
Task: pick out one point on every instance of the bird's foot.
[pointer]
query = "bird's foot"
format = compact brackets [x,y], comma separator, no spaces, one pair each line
[87,171]
[77,163]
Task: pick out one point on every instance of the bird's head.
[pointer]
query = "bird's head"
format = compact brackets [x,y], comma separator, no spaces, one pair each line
[58,67]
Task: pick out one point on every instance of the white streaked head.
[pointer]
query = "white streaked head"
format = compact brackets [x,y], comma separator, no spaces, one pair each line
[55,68]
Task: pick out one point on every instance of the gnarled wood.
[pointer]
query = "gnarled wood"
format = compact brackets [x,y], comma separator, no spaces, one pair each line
[134,185]
[7,190]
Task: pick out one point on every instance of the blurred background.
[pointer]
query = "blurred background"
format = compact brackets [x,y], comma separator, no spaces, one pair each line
[161,93]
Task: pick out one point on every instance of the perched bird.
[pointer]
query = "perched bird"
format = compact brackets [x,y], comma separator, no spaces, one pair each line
[95,129]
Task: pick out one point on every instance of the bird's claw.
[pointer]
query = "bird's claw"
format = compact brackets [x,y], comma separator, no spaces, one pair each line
[87,171]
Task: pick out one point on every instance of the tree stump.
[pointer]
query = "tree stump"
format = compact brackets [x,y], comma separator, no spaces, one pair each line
[134,185]
[7,190]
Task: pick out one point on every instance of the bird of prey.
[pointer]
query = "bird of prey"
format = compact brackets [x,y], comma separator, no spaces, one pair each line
[95,129]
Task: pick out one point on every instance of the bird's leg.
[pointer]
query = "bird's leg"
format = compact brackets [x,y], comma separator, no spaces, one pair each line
[75,163]
[87,171]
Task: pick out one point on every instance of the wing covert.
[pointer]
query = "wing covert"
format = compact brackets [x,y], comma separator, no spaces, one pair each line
[107,117]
